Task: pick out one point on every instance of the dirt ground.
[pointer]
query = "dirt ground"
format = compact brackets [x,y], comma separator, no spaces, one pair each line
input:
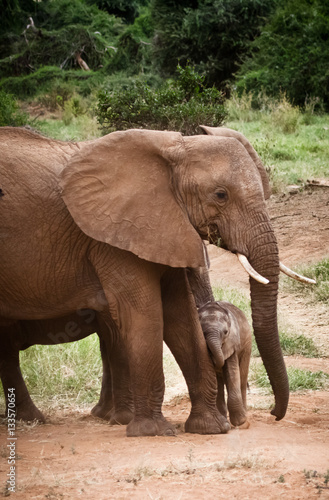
[76,456]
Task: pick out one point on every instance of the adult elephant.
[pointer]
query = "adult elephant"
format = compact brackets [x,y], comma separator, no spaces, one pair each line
[109,224]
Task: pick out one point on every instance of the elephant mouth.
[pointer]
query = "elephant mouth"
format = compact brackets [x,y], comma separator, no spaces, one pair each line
[212,234]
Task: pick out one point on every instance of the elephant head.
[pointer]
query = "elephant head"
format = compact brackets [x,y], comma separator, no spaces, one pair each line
[155,193]
[221,336]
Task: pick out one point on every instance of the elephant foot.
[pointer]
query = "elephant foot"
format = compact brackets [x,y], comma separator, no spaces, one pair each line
[150,427]
[102,411]
[238,419]
[207,423]
[28,413]
[121,417]
[114,416]
[245,425]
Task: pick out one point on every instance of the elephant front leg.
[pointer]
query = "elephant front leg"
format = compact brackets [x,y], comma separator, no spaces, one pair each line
[235,403]
[137,313]
[145,349]
[12,379]
[184,337]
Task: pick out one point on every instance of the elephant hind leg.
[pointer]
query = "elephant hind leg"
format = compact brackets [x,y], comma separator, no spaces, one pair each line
[116,400]
[11,376]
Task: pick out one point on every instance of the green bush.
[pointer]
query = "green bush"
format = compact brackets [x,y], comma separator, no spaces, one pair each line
[63,372]
[9,111]
[176,105]
[127,9]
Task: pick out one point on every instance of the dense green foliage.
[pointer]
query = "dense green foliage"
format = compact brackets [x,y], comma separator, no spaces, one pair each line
[180,104]
[61,31]
[291,54]
[14,13]
[51,79]
[9,111]
[213,35]
[63,372]
[282,46]
[127,9]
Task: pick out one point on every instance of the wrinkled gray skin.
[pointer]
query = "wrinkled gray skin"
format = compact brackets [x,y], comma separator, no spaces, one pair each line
[228,336]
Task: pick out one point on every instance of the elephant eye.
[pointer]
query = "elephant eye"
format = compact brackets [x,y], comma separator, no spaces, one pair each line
[221,195]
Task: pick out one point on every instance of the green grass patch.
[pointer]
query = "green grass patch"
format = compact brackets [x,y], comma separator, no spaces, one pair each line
[315,293]
[298,379]
[235,296]
[80,128]
[292,143]
[63,372]
[293,344]
[10,114]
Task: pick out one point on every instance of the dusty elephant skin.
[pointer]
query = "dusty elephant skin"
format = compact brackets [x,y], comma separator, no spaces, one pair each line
[228,336]
[109,224]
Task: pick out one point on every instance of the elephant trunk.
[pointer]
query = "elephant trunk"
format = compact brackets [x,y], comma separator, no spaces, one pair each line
[215,348]
[264,258]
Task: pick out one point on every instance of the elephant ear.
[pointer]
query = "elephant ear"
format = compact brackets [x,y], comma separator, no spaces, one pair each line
[227,132]
[118,191]
[232,342]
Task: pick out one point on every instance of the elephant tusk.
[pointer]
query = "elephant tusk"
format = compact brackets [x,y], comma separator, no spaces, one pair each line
[250,270]
[294,275]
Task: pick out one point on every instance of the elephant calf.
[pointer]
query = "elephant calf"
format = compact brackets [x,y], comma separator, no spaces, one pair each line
[228,336]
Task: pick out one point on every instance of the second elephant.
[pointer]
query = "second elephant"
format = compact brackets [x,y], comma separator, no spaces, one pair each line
[228,335]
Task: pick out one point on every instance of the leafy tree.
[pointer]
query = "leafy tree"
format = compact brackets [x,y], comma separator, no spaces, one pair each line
[212,34]
[126,9]
[291,55]
[134,54]
[13,12]
[61,33]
